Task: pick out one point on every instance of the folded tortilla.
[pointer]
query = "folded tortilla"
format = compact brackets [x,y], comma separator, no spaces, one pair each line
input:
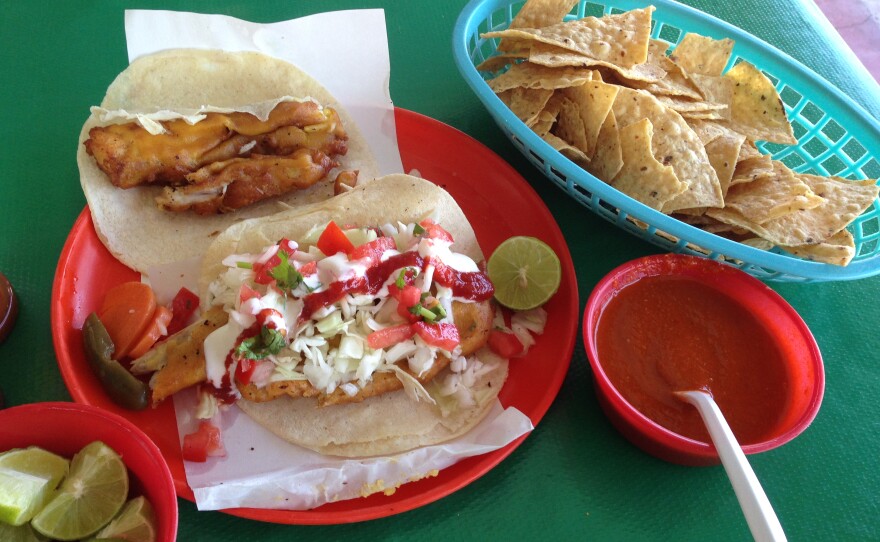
[390,423]
[182,81]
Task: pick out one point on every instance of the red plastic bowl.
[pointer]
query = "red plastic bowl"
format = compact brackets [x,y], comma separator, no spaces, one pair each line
[800,352]
[64,428]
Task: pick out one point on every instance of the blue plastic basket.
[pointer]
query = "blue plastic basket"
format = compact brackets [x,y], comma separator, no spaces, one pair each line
[835,137]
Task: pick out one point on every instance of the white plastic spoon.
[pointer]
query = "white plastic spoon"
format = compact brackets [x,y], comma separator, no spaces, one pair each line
[759,514]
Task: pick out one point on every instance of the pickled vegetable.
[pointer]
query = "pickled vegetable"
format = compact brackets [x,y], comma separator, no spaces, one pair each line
[123,388]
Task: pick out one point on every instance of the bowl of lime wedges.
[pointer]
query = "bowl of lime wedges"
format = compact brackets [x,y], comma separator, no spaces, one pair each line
[76,472]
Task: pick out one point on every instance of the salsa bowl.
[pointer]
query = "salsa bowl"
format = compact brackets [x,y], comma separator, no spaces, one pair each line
[797,389]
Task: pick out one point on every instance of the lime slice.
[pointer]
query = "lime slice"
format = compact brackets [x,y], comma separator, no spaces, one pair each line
[27,478]
[22,533]
[136,523]
[93,492]
[525,272]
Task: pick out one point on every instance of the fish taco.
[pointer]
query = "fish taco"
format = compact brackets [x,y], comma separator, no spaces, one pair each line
[188,142]
[355,326]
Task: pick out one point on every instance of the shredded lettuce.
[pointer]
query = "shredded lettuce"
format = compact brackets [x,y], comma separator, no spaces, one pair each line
[413,388]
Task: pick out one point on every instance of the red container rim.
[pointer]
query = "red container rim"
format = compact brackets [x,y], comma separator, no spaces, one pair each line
[64,428]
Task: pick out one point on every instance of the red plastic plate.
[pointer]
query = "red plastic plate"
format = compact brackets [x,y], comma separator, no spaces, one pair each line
[498,202]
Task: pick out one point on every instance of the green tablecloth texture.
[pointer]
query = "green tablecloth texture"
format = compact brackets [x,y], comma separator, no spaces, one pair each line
[575,477]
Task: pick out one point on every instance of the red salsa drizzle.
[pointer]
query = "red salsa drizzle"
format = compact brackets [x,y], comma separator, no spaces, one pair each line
[474,285]
[225,393]
[471,285]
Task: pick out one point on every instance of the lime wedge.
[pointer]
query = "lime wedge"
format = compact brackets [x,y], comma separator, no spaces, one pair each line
[93,492]
[135,523]
[27,478]
[525,272]
[22,533]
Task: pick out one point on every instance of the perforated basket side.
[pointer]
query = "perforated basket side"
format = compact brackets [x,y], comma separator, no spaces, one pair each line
[832,131]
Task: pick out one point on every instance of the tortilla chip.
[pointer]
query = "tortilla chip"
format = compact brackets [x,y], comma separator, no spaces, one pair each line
[642,177]
[752,168]
[843,201]
[756,109]
[839,249]
[675,83]
[543,122]
[620,39]
[540,13]
[772,196]
[608,159]
[547,117]
[499,62]
[537,14]
[593,101]
[570,126]
[528,75]
[683,105]
[748,150]
[702,55]
[722,153]
[718,90]
[676,145]
[708,131]
[553,56]
[526,103]
[572,153]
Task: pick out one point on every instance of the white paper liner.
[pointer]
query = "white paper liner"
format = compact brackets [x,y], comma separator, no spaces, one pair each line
[259,469]
[262,471]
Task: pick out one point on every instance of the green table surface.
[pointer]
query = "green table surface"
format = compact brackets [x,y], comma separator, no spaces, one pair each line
[574,476]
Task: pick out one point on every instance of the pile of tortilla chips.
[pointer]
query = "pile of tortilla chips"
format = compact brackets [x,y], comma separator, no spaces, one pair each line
[673,131]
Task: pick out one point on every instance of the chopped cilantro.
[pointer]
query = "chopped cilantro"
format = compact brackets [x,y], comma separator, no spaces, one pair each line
[285,274]
[268,342]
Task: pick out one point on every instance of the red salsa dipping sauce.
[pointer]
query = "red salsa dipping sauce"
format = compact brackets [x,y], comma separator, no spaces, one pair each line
[662,334]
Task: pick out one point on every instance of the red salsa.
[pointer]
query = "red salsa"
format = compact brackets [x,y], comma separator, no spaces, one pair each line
[664,334]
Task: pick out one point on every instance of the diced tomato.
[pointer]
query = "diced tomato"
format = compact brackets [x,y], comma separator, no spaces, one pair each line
[333,240]
[309,268]
[442,335]
[183,306]
[287,246]
[246,292]
[409,296]
[244,371]
[262,272]
[506,345]
[156,329]
[435,231]
[372,250]
[205,442]
[383,338]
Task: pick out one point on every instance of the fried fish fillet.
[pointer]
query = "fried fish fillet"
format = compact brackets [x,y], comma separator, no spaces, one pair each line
[131,156]
[180,361]
[232,184]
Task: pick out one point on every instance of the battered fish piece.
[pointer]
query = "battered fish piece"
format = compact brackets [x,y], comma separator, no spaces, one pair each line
[180,361]
[225,186]
[131,156]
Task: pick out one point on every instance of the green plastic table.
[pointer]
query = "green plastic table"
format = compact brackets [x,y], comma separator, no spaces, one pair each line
[574,477]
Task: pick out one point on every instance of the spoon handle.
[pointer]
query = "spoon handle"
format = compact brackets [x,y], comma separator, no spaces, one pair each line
[756,507]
